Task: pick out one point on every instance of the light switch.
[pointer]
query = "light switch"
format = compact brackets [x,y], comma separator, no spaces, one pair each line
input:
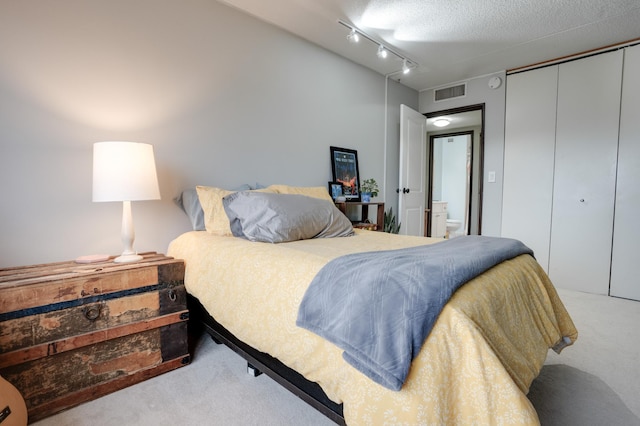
[492,177]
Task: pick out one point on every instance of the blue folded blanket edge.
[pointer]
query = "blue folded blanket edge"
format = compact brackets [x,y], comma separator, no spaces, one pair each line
[333,309]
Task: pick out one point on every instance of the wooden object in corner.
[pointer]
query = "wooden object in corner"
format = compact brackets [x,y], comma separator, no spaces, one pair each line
[365,212]
[70,332]
[13,411]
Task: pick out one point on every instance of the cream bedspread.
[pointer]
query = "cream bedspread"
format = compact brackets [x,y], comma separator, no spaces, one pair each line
[476,366]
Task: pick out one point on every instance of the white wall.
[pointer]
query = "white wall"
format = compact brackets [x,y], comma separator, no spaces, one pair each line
[478,92]
[224,98]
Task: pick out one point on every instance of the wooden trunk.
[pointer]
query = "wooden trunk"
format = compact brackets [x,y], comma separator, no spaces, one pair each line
[73,332]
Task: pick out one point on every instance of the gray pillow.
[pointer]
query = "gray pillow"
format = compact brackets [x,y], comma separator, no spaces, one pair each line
[278,218]
[189,202]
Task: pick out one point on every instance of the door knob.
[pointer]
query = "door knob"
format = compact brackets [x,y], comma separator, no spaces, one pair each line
[405,190]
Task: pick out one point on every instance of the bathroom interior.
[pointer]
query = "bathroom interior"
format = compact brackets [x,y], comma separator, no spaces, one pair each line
[453,180]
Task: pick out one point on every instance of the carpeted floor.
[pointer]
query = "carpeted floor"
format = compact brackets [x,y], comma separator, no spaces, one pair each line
[594,382]
[564,395]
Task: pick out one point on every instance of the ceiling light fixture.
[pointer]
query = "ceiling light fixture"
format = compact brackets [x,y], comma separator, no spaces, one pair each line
[441,122]
[383,51]
[353,36]
[405,67]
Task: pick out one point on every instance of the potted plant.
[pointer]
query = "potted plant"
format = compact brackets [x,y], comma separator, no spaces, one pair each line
[369,188]
[390,224]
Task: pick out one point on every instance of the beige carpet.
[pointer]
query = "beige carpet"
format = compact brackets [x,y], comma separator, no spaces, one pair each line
[594,382]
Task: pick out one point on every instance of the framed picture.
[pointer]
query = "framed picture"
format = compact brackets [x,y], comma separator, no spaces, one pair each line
[335,189]
[344,165]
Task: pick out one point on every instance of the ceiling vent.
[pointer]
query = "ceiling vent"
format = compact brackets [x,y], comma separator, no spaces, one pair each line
[445,93]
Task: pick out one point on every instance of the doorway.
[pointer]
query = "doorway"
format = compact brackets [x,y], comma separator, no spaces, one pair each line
[454,172]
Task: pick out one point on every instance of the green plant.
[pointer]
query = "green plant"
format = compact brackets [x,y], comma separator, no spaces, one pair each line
[390,224]
[370,186]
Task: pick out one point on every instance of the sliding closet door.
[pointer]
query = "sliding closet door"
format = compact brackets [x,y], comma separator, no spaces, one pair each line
[530,135]
[585,168]
[626,237]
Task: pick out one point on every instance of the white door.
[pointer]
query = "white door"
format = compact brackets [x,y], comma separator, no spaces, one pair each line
[413,161]
[529,150]
[626,235]
[584,175]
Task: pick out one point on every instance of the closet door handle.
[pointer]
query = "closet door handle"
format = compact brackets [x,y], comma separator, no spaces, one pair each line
[405,190]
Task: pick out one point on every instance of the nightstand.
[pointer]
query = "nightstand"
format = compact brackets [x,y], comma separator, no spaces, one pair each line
[365,212]
[73,332]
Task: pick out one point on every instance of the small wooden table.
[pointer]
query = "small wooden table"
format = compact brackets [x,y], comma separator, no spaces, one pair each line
[365,212]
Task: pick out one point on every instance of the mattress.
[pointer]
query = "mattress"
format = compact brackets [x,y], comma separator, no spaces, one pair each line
[488,344]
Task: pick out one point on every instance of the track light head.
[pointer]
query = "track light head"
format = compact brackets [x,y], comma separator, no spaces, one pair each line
[353,36]
[382,52]
[405,67]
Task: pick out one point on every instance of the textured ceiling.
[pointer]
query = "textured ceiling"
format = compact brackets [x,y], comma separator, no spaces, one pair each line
[453,40]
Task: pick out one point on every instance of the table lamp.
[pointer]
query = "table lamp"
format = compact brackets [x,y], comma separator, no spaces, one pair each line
[124,171]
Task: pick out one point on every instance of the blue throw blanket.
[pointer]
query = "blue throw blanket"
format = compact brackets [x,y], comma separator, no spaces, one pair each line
[380,306]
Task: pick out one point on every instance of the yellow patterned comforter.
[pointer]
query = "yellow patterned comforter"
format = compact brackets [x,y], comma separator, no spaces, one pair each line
[487,346]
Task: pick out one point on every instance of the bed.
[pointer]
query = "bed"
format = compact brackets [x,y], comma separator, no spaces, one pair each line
[488,344]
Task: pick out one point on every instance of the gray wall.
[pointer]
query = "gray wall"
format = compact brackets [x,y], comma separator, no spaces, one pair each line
[224,98]
[479,92]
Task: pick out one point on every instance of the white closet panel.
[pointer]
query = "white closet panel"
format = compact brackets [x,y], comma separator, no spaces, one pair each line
[528,159]
[626,237]
[584,176]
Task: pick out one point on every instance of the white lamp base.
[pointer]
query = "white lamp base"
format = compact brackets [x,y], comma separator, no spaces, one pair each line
[126,258]
[128,235]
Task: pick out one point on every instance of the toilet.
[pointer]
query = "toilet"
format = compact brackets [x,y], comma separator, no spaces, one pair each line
[452,227]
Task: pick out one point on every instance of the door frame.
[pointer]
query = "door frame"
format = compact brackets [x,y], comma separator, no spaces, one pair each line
[480,160]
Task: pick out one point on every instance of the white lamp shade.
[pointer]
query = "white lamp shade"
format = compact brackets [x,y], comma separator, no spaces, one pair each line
[124,171]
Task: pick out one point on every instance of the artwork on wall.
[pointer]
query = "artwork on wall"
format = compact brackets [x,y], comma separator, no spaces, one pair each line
[344,165]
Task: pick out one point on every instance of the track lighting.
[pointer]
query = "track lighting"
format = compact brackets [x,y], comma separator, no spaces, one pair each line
[353,36]
[405,67]
[382,52]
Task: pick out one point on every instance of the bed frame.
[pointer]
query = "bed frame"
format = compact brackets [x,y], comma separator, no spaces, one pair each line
[260,362]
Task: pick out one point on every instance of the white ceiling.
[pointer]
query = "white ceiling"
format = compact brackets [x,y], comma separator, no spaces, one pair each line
[453,40]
